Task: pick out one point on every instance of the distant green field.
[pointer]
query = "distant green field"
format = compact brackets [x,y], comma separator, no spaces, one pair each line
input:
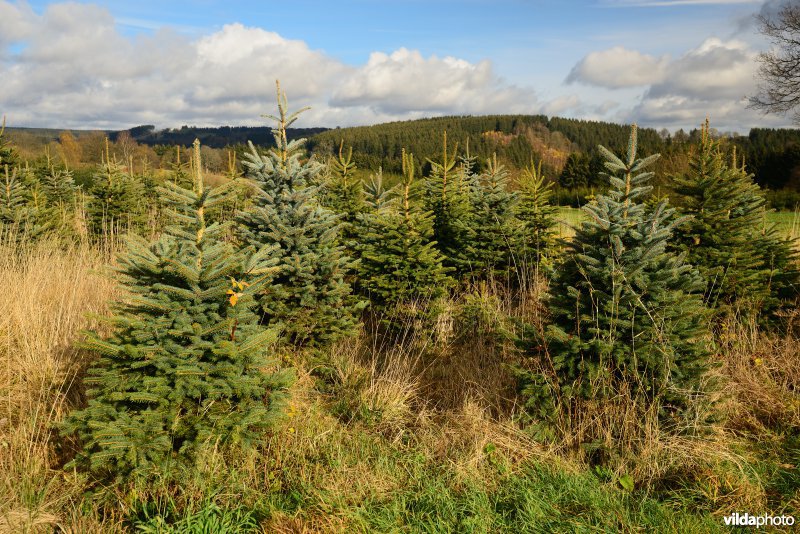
[788,222]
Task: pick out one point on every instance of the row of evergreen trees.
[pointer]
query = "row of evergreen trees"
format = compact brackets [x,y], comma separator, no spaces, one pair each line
[192,360]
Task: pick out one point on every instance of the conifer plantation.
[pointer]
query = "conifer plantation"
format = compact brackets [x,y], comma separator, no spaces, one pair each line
[747,266]
[293,342]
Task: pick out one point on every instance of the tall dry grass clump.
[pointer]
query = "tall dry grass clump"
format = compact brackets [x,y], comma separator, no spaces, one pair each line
[47,289]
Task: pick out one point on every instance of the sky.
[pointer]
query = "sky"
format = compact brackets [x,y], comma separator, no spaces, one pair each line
[118,64]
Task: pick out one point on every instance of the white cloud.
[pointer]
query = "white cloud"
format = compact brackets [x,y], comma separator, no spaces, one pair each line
[75,69]
[405,81]
[618,67]
[15,23]
[673,3]
[714,70]
[559,105]
[713,79]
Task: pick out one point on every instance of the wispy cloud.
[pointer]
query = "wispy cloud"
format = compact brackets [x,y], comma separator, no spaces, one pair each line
[671,3]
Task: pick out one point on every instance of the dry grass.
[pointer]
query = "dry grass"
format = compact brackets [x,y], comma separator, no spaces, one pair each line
[448,398]
[47,289]
[762,378]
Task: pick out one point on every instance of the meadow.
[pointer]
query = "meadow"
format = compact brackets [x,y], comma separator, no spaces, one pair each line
[786,222]
[447,381]
[404,442]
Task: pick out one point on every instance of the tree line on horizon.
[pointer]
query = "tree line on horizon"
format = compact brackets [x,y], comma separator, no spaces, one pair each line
[566,148]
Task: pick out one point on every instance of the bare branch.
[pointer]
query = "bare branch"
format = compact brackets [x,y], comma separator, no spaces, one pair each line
[779,90]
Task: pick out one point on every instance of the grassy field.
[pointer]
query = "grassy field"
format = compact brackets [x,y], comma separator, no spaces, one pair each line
[383,439]
[787,222]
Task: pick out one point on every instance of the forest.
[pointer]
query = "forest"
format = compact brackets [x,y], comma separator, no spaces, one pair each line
[407,327]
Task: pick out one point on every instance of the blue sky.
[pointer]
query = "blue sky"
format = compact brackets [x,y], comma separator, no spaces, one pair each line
[663,63]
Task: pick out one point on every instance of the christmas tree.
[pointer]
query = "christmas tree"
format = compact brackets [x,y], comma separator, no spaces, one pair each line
[748,269]
[536,243]
[625,311]
[376,195]
[309,295]
[187,363]
[344,195]
[446,196]
[489,233]
[400,265]
[8,156]
[24,211]
[117,201]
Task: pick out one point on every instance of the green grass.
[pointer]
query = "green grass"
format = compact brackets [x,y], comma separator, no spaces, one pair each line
[568,219]
[353,480]
[788,222]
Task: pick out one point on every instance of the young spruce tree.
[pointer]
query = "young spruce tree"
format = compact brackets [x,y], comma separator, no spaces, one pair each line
[187,363]
[446,196]
[399,260]
[309,295]
[117,201]
[344,195]
[537,217]
[748,269]
[490,229]
[625,311]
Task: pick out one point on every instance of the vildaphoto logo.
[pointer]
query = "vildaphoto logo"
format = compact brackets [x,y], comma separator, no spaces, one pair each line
[747,520]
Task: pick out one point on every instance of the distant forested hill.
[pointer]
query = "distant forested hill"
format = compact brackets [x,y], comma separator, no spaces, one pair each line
[218,137]
[214,137]
[773,155]
[567,148]
[515,138]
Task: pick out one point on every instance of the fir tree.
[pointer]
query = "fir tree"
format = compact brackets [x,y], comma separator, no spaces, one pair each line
[625,313]
[8,156]
[24,211]
[117,201]
[60,188]
[490,231]
[446,196]
[187,363]
[12,200]
[537,215]
[376,196]
[724,237]
[344,194]
[310,295]
[399,260]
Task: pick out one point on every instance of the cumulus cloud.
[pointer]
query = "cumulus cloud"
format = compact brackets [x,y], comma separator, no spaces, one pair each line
[560,104]
[618,67]
[711,79]
[406,81]
[70,67]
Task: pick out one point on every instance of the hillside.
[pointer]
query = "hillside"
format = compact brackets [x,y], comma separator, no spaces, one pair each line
[515,138]
[772,155]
